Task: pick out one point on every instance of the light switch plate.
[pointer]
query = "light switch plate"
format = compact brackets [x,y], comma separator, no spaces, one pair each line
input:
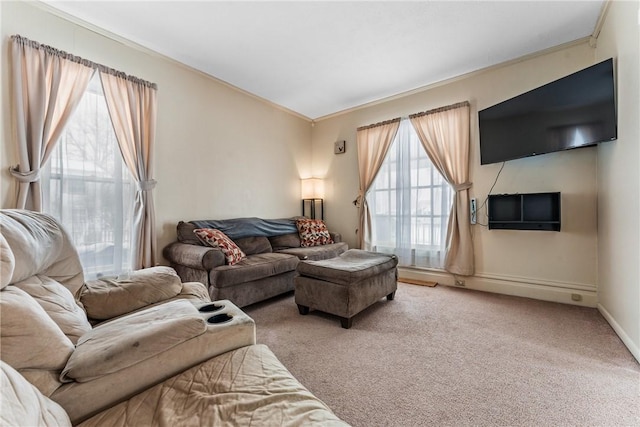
[339,147]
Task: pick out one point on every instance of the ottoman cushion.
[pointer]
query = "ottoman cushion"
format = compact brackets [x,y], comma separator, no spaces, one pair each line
[350,267]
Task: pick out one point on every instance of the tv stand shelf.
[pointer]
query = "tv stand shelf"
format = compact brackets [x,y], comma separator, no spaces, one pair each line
[533,211]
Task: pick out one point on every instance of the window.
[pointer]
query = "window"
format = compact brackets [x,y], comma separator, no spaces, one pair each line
[87,187]
[410,204]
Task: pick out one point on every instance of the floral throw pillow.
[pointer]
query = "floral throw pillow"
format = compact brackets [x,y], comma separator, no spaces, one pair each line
[217,239]
[313,232]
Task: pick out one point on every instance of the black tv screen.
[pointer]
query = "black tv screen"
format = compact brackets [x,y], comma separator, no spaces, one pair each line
[575,111]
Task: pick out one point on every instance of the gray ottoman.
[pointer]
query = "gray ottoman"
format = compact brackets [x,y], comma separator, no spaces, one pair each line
[347,284]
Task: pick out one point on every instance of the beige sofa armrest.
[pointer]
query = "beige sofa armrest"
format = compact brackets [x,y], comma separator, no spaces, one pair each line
[132,339]
[84,399]
[108,297]
[198,257]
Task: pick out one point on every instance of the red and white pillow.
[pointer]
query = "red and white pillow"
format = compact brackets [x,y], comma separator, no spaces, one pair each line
[217,239]
[313,232]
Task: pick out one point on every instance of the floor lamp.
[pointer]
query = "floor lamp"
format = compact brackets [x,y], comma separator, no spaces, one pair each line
[312,198]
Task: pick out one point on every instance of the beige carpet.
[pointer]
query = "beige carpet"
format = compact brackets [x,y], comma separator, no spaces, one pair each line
[447,356]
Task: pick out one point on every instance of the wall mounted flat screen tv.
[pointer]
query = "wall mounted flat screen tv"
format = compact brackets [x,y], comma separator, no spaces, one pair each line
[575,111]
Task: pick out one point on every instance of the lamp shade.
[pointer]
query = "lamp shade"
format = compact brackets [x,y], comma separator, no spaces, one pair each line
[312,188]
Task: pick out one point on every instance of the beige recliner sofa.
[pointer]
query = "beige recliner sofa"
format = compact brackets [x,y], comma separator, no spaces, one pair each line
[138,352]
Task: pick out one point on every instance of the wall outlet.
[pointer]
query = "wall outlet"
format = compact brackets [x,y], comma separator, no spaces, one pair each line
[459,282]
[474,211]
[339,147]
[576,297]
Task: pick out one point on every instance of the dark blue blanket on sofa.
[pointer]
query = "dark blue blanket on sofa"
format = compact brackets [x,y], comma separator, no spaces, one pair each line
[238,228]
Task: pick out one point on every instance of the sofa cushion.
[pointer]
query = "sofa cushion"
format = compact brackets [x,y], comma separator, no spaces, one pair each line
[254,245]
[7,262]
[131,339]
[30,338]
[24,405]
[185,233]
[59,304]
[251,268]
[238,228]
[284,241]
[217,239]
[245,387]
[41,246]
[352,266]
[313,232]
[109,297]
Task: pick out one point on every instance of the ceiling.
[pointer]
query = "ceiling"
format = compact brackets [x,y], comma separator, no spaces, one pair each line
[317,58]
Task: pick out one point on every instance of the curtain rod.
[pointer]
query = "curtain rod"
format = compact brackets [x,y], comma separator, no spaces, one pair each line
[386,122]
[62,54]
[441,109]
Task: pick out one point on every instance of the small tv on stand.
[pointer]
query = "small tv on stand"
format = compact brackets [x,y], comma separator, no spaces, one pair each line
[532,211]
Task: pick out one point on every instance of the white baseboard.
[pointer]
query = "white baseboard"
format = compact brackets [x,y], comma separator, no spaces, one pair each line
[633,347]
[562,292]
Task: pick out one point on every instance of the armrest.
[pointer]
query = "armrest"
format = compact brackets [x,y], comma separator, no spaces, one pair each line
[198,257]
[337,237]
[132,339]
[109,297]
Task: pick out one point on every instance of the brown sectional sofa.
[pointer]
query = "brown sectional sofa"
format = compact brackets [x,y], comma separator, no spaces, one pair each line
[273,251]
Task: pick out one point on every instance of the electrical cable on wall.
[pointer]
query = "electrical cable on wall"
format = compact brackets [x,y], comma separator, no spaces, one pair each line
[487,198]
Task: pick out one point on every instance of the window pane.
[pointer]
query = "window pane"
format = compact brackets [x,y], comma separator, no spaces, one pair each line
[382,202]
[393,202]
[413,172]
[411,214]
[425,171]
[88,188]
[437,195]
[382,180]
[423,202]
[423,231]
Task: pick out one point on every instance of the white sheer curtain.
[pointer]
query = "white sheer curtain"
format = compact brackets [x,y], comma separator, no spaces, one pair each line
[89,189]
[409,203]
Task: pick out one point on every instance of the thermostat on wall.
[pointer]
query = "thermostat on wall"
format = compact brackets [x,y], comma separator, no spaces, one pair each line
[339,147]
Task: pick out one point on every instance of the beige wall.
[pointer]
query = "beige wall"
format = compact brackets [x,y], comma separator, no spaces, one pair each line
[220,153]
[619,181]
[547,265]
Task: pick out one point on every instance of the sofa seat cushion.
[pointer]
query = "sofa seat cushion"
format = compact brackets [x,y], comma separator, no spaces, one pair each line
[317,253]
[109,297]
[24,405]
[245,387]
[251,268]
[131,339]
